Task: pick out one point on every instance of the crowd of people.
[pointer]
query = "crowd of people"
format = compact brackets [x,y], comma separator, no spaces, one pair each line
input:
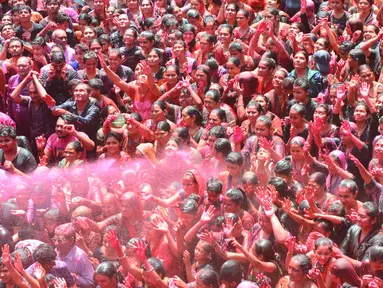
[191,143]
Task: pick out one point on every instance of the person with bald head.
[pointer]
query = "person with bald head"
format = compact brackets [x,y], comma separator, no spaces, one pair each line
[60,37]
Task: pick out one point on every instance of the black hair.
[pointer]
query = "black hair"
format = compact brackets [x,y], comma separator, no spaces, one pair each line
[350,185]
[107,269]
[8,131]
[283,167]
[192,111]
[235,60]
[148,35]
[235,158]
[222,145]
[209,277]
[319,178]
[85,17]
[183,134]
[324,224]
[304,262]
[39,41]
[323,241]
[44,254]
[376,254]
[220,113]
[189,206]
[265,120]
[77,146]
[337,209]
[299,108]
[214,185]
[231,271]
[265,248]
[96,83]
[213,94]
[62,18]
[235,195]
[115,135]
[302,83]
[58,57]
[164,126]
[218,132]
[358,55]
[281,186]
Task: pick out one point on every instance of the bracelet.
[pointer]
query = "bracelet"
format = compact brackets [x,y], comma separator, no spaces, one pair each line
[119,258]
[150,270]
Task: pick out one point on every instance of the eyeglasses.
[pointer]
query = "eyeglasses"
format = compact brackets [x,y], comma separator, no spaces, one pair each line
[56,240]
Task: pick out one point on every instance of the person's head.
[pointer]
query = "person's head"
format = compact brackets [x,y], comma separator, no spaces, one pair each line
[283,169]
[234,163]
[297,115]
[130,205]
[203,75]
[96,85]
[347,192]
[81,93]
[249,182]
[191,116]
[264,251]
[162,132]
[266,67]
[263,126]
[46,256]
[322,112]
[253,111]
[61,121]
[225,33]
[52,219]
[233,66]
[364,6]
[212,100]
[317,181]
[80,50]
[73,151]
[203,252]
[146,41]
[7,31]
[109,205]
[215,133]
[361,112]
[6,19]
[263,101]
[376,259]
[172,146]
[158,111]
[15,47]
[323,250]
[342,272]
[188,211]
[154,57]
[65,238]
[105,275]
[182,133]
[300,60]
[296,148]
[189,183]
[172,76]
[217,117]
[60,37]
[8,141]
[5,275]
[207,278]
[130,37]
[214,188]
[89,34]
[221,149]
[301,90]
[368,216]
[113,142]
[299,267]
[365,74]
[233,200]
[91,59]
[23,66]
[231,273]
[356,57]
[194,18]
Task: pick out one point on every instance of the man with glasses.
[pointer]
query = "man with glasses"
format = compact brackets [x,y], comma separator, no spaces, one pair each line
[76,259]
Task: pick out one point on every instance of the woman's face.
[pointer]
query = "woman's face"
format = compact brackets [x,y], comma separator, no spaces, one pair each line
[241,19]
[186,119]
[369,32]
[188,36]
[200,253]
[71,154]
[189,184]
[364,6]
[153,59]
[360,113]
[224,35]
[230,12]
[252,113]
[323,254]
[320,45]
[196,4]
[379,103]
[320,113]
[378,148]
[346,197]
[261,129]
[178,50]
[364,220]
[171,76]
[89,35]
[366,75]
[6,20]
[278,78]
[262,102]
[95,47]
[162,137]
[296,119]
[157,114]
[210,28]
[132,4]
[129,38]
[91,64]
[265,223]
[232,69]
[141,78]
[146,7]
[214,119]
[297,152]
[210,104]
[99,5]
[294,29]
[112,146]
[299,61]
[272,4]
[205,45]
[200,76]
[295,271]
[171,147]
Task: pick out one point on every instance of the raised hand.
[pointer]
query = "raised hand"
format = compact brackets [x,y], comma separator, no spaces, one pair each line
[41,142]
[341,92]
[145,67]
[59,283]
[262,27]
[140,249]
[303,6]
[111,236]
[17,263]
[102,60]
[39,272]
[353,217]
[208,215]
[6,255]
[356,35]
[354,83]
[265,144]
[160,225]
[186,258]
[237,135]
[290,243]
[228,227]
[286,205]
[268,208]
[346,128]
[208,237]
[299,37]
[355,160]
[364,90]
[314,273]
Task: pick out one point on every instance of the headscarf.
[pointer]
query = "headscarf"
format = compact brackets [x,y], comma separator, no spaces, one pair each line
[343,269]
[199,179]
[340,157]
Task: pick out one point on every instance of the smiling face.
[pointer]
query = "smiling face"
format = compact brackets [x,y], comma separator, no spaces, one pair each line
[323,254]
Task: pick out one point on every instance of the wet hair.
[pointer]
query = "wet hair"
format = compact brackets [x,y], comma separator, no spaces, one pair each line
[44,254]
[193,13]
[107,269]
[96,83]
[209,277]
[281,186]
[62,18]
[350,185]
[213,94]
[235,60]
[220,113]
[90,55]
[231,271]
[115,135]
[255,104]
[371,209]
[39,41]
[265,120]
[192,111]
[222,145]
[299,108]
[283,167]
[58,57]
[319,178]
[326,225]
[323,242]
[337,209]
[302,83]
[163,126]
[265,248]
[376,254]
[148,35]
[158,266]
[358,55]
[304,262]
[77,146]
[8,131]
[85,17]
[235,158]
[288,83]
[235,195]
[182,134]
[218,132]
[189,206]
[214,185]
